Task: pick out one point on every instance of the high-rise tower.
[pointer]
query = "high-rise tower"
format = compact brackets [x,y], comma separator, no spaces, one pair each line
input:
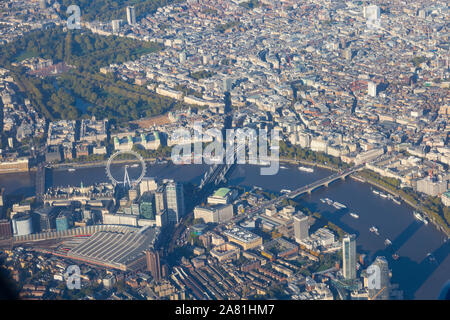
[175,201]
[131,15]
[153,264]
[349,256]
[301,227]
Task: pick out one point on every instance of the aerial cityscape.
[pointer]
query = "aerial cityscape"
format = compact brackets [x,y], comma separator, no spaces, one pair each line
[224,150]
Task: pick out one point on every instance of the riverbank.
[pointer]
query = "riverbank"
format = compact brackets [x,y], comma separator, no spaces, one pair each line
[362,179]
[101,163]
[308,163]
[63,166]
[359,178]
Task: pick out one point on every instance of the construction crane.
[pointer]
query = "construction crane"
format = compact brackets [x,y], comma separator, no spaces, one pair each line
[375,296]
[431,171]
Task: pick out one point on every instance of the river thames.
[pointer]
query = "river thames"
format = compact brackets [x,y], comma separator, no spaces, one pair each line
[419,275]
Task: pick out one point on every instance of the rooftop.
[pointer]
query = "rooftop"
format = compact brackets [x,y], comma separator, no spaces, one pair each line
[222,192]
[241,234]
[116,248]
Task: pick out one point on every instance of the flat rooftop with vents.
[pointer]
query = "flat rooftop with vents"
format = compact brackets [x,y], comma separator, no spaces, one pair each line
[246,239]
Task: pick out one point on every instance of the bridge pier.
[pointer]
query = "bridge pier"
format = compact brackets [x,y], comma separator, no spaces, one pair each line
[326,184]
[343,178]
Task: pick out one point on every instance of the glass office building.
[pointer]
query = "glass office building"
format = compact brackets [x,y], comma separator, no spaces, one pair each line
[349,256]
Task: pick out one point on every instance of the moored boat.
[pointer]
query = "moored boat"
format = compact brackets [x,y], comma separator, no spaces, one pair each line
[419,217]
[306,169]
[339,205]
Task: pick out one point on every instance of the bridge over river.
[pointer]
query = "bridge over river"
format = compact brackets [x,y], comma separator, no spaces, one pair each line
[307,189]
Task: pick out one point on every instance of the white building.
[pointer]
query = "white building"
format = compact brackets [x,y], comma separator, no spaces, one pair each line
[147,185]
[301,227]
[214,214]
[372,89]
[178,95]
[222,196]
[149,141]
[131,15]
[432,187]
[445,197]
[368,155]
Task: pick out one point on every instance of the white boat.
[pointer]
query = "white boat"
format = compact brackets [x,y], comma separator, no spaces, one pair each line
[336,206]
[306,169]
[376,192]
[387,242]
[396,201]
[283,167]
[419,217]
[354,215]
[373,229]
[135,165]
[285,191]
[71,170]
[339,205]
[383,195]
[323,200]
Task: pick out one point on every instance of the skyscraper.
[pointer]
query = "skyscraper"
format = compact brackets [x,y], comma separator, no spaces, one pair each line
[381,292]
[160,199]
[349,256]
[175,201]
[131,15]
[153,264]
[227,84]
[301,227]
[372,89]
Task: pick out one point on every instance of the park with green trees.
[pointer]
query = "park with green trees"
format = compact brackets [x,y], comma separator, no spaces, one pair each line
[289,151]
[107,10]
[106,96]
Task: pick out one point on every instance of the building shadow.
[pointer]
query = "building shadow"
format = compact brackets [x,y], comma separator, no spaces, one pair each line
[409,274]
